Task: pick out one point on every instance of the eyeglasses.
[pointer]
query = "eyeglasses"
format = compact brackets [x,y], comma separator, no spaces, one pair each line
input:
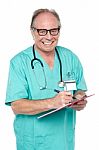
[43,32]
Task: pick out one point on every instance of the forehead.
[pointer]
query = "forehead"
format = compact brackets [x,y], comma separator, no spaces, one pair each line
[46,20]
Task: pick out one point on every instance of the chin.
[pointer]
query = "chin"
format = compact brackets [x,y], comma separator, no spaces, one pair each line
[50,48]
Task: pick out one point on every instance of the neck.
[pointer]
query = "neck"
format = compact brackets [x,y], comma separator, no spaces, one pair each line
[48,56]
[43,53]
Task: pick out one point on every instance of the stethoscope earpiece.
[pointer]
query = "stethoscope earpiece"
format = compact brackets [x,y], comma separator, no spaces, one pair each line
[43,88]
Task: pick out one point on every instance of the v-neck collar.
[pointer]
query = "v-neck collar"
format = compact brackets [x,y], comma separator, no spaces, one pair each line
[44,62]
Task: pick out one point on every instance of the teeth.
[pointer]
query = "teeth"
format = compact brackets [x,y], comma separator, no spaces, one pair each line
[47,43]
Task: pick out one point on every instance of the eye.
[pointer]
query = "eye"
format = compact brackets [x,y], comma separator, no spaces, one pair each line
[42,31]
[54,31]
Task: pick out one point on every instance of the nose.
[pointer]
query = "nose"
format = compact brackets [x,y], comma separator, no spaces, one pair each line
[48,35]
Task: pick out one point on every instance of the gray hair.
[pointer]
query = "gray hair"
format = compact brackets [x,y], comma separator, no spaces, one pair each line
[39,11]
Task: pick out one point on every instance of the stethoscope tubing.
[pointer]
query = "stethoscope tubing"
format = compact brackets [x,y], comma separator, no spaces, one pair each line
[35,58]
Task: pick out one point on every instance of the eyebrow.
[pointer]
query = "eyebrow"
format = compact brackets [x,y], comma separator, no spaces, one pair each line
[47,29]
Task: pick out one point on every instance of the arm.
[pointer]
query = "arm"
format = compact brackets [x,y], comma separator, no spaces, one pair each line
[81,86]
[32,107]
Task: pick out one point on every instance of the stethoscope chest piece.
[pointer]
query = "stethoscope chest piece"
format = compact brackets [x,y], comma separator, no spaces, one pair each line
[61,84]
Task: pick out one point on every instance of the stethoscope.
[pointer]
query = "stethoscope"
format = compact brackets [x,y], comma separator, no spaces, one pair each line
[60,83]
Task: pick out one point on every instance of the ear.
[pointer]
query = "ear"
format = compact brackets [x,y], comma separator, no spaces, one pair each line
[32,34]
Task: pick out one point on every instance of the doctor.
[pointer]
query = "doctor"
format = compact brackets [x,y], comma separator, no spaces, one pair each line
[34,75]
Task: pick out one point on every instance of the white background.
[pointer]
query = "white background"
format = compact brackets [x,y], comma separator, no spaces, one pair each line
[80,33]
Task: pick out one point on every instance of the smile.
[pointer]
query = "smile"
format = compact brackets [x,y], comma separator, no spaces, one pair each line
[47,43]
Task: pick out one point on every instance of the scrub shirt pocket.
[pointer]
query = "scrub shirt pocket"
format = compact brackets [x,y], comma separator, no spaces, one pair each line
[23,127]
[25,143]
[43,142]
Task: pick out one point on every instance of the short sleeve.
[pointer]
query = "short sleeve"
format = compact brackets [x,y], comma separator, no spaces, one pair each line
[81,84]
[17,86]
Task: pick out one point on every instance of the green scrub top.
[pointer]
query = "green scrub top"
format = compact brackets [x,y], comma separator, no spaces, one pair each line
[57,130]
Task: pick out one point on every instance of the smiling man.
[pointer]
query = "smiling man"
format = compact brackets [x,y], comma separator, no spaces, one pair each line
[45,29]
[36,84]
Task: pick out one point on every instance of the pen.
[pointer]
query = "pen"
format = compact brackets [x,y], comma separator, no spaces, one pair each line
[57,91]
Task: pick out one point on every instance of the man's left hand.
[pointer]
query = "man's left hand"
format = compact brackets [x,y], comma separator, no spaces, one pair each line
[80,105]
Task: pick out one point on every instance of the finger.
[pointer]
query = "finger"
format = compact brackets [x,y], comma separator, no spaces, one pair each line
[66,101]
[83,102]
[77,108]
[68,93]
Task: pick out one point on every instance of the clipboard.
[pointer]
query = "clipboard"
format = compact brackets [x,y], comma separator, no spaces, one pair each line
[67,105]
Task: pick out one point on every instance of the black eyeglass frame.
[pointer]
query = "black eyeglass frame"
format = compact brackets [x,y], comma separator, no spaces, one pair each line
[50,31]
